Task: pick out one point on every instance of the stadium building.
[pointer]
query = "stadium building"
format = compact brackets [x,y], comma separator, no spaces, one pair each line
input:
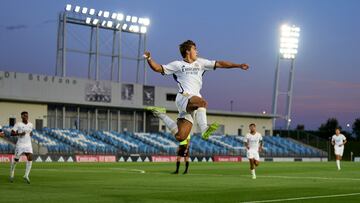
[76,103]
[74,117]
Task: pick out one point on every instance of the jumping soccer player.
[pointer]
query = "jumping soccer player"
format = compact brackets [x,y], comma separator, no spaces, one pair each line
[253,143]
[23,145]
[338,140]
[188,74]
[183,151]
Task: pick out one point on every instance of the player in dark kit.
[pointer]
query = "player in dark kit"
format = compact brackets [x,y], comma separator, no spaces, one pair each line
[183,151]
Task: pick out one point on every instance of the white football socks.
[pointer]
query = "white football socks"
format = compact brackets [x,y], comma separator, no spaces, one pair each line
[12,168]
[338,164]
[28,168]
[169,123]
[202,119]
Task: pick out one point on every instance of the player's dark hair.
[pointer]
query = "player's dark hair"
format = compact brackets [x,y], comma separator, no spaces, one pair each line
[252,124]
[186,46]
[24,112]
[338,128]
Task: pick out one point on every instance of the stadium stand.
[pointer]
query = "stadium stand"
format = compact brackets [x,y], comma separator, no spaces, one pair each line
[69,141]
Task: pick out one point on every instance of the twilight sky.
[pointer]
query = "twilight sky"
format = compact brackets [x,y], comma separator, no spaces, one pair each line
[327,68]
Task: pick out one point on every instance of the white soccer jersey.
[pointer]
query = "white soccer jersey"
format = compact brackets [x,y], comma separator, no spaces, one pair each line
[25,140]
[189,75]
[338,139]
[253,141]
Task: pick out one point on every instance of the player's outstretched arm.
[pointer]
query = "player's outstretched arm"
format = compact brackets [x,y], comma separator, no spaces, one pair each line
[153,65]
[227,64]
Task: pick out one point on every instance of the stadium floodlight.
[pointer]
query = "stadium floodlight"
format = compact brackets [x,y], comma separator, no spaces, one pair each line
[95,21]
[88,20]
[77,9]
[143,29]
[68,7]
[103,23]
[120,17]
[289,41]
[133,28]
[136,28]
[134,23]
[109,24]
[84,10]
[134,19]
[106,14]
[100,13]
[92,11]
[146,21]
[124,26]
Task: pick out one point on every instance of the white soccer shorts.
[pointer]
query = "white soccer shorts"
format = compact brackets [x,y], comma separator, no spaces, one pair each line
[21,150]
[339,150]
[181,102]
[253,154]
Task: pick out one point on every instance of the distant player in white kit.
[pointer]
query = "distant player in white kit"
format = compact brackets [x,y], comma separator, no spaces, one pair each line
[1,132]
[253,143]
[23,145]
[338,140]
[188,73]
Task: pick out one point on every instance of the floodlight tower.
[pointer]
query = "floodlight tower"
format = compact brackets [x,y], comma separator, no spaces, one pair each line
[289,41]
[98,20]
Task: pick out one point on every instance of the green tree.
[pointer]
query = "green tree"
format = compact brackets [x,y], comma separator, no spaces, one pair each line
[356,128]
[300,127]
[328,128]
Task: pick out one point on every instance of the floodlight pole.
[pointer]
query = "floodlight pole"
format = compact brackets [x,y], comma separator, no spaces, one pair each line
[91,51]
[58,46]
[97,53]
[138,60]
[113,56]
[64,47]
[289,95]
[119,57]
[61,46]
[276,90]
[287,52]
[144,61]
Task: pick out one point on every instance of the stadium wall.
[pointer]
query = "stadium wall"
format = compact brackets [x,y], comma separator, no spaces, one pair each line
[13,109]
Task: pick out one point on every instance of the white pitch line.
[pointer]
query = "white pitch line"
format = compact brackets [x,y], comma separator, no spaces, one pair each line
[310,178]
[304,198]
[92,170]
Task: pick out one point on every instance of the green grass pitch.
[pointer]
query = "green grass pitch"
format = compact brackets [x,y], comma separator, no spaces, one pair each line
[206,182]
